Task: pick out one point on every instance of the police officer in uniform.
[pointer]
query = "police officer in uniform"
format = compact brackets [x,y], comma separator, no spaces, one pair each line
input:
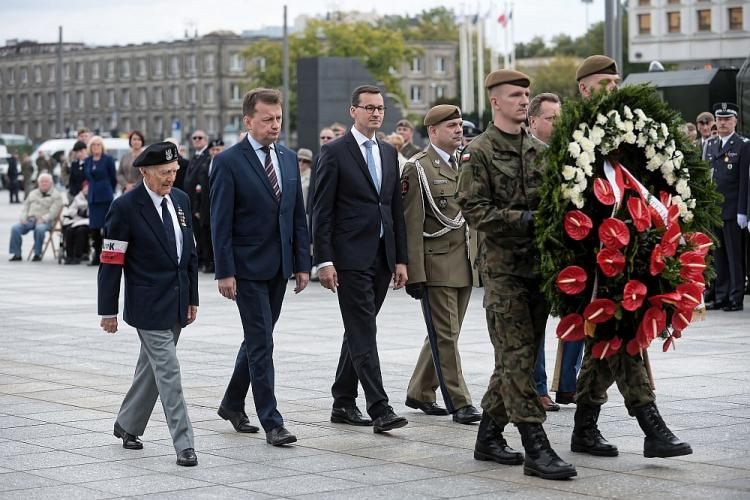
[729,156]
[439,268]
[498,191]
[148,235]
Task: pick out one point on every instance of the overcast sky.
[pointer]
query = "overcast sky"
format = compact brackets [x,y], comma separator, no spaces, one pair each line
[105,22]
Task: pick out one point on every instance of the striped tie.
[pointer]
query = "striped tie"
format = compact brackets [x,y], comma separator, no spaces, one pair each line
[270,172]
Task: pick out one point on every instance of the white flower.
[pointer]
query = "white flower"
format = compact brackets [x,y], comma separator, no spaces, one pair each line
[653,135]
[640,114]
[677,159]
[667,167]
[580,176]
[585,159]
[586,145]
[578,135]
[682,188]
[660,144]
[670,178]
[654,163]
[568,172]
[629,138]
[664,130]
[574,149]
[640,124]
[691,203]
[626,111]
[650,152]
[596,135]
[601,119]
[628,126]
[578,201]
[688,217]
[641,142]
[588,170]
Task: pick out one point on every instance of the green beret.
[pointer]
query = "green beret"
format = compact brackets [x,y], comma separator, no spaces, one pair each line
[441,113]
[404,123]
[596,65]
[510,76]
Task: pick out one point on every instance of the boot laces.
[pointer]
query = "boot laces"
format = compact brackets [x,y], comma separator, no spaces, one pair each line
[659,425]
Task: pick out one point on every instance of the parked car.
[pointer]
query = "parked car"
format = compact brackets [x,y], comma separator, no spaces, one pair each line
[4,155]
[116,147]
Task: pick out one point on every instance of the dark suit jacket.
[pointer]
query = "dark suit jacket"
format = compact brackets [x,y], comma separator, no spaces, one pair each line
[102,179]
[192,178]
[730,171]
[255,235]
[158,290]
[348,211]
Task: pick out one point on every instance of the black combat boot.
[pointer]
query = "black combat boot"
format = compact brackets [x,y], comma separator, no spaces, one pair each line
[660,441]
[491,444]
[541,459]
[586,436]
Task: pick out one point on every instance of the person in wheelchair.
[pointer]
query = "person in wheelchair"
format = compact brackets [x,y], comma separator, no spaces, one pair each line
[75,223]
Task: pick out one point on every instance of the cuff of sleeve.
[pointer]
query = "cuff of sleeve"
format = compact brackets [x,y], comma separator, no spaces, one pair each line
[108,316]
[324,264]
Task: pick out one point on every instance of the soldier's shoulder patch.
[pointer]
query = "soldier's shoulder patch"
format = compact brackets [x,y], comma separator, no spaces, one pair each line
[404,185]
[466,156]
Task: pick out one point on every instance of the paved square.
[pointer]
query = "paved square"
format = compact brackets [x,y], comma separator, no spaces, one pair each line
[62,379]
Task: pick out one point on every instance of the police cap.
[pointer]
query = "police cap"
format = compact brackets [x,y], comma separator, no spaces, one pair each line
[726,110]
[216,143]
[510,76]
[441,113]
[159,153]
[596,65]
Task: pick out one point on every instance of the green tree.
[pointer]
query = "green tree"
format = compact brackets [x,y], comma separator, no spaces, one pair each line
[433,24]
[557,77]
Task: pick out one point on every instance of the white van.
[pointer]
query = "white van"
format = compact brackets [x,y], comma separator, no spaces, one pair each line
[115,147]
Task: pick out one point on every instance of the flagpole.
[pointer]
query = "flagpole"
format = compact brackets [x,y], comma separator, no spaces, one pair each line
[512,22]
[506,59]
[469,66]
[480,68]
[462,65]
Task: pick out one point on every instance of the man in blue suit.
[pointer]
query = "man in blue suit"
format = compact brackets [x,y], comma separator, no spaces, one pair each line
[260,238]
[148,235]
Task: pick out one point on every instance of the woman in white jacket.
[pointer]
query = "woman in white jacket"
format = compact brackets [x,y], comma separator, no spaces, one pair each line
[75,221]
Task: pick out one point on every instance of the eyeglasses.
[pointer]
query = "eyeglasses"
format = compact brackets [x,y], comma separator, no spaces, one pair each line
[198,137]
[371,109]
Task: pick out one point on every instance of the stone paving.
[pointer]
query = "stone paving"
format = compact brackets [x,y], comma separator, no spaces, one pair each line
[62,379]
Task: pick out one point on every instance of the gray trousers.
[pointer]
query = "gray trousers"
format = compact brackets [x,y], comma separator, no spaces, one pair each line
[157,373]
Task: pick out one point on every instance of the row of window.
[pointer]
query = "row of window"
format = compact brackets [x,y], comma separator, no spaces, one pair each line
[111,69]
[416,93]
[439,67]
[703,18]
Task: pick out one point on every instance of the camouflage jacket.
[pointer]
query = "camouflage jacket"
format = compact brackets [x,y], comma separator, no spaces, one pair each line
[496,190]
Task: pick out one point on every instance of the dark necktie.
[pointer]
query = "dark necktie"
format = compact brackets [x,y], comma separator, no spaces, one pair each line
[453,164]
[270,172]
[166,218]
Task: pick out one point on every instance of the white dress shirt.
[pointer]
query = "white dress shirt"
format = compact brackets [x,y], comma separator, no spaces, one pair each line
[442,154]
[262,157]
[156,199]
[361,139]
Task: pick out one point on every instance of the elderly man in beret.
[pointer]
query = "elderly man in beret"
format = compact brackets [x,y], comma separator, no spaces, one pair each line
[148,235]
[439,269]
[405,129]
[498,191]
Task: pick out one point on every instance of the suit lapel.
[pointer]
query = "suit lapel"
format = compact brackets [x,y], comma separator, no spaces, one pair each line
[725,149]
[252,158]
[437,161]
[356,153]
[148,211]
[183,228]
[386,168]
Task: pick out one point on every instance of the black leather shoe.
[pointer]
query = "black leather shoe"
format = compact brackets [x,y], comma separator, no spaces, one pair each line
[430,408]
[388,421]
[715,306]
[129,442]
[238,419]
[733,306]
[36,258]
[279,436]
[15,258]
[349,415]
[565,398]
[187,458]
[586,436]
[467,415]
[491,444]
[541,460]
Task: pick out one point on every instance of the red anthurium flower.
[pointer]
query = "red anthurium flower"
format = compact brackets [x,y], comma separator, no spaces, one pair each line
[572,280]
[671,239]
[665,198]
[634,347]
[677,334]
[657,260]
[603,191]
[667,343]
[681,319]
[699,242]
[673,212]
[599,310]
[672,299]
[611,262]
[654,322]
[693,265]
[606,348]
[614,233]
[633,295]
[571,328]
[577,224]
[656,217]
[691,295]
[639,213]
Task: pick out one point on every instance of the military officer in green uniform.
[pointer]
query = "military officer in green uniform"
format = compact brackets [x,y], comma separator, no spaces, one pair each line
[440,273]
[405,129]
[498,191]
[597,73]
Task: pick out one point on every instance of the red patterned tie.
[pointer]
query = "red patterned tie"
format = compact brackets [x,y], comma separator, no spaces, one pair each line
[270,172]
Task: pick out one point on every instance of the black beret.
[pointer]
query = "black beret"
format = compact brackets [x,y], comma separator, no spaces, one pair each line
[216,143]
[79,145]
[159,153]
[726,109]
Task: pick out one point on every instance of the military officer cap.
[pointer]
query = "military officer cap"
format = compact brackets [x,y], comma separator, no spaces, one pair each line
[441,113]
[304,154]
[404,123]
[705,117]
[726,110]
[159,153]
[216,143]
[596,65]
[510,76]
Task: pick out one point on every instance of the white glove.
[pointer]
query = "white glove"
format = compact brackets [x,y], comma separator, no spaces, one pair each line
[742,220]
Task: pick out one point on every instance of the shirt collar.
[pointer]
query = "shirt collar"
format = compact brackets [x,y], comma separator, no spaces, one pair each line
[361,138]
[154,197]
[725,139]
[255,144]
[442,154]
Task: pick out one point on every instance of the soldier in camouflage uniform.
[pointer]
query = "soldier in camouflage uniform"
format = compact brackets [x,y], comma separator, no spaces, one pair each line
[597,375]
[498,193]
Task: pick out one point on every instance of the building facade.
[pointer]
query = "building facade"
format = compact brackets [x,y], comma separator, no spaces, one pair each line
[430,75]
[692,33]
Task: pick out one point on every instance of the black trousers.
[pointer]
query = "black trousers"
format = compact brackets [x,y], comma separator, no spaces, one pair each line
[206,245]
[361,294]
[198,234]
[730,264]
[77,242]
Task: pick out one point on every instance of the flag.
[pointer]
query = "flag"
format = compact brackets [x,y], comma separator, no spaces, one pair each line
[504,19]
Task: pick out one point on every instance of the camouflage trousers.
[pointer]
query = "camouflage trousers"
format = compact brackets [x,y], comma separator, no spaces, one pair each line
[597,375]
[516,317]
